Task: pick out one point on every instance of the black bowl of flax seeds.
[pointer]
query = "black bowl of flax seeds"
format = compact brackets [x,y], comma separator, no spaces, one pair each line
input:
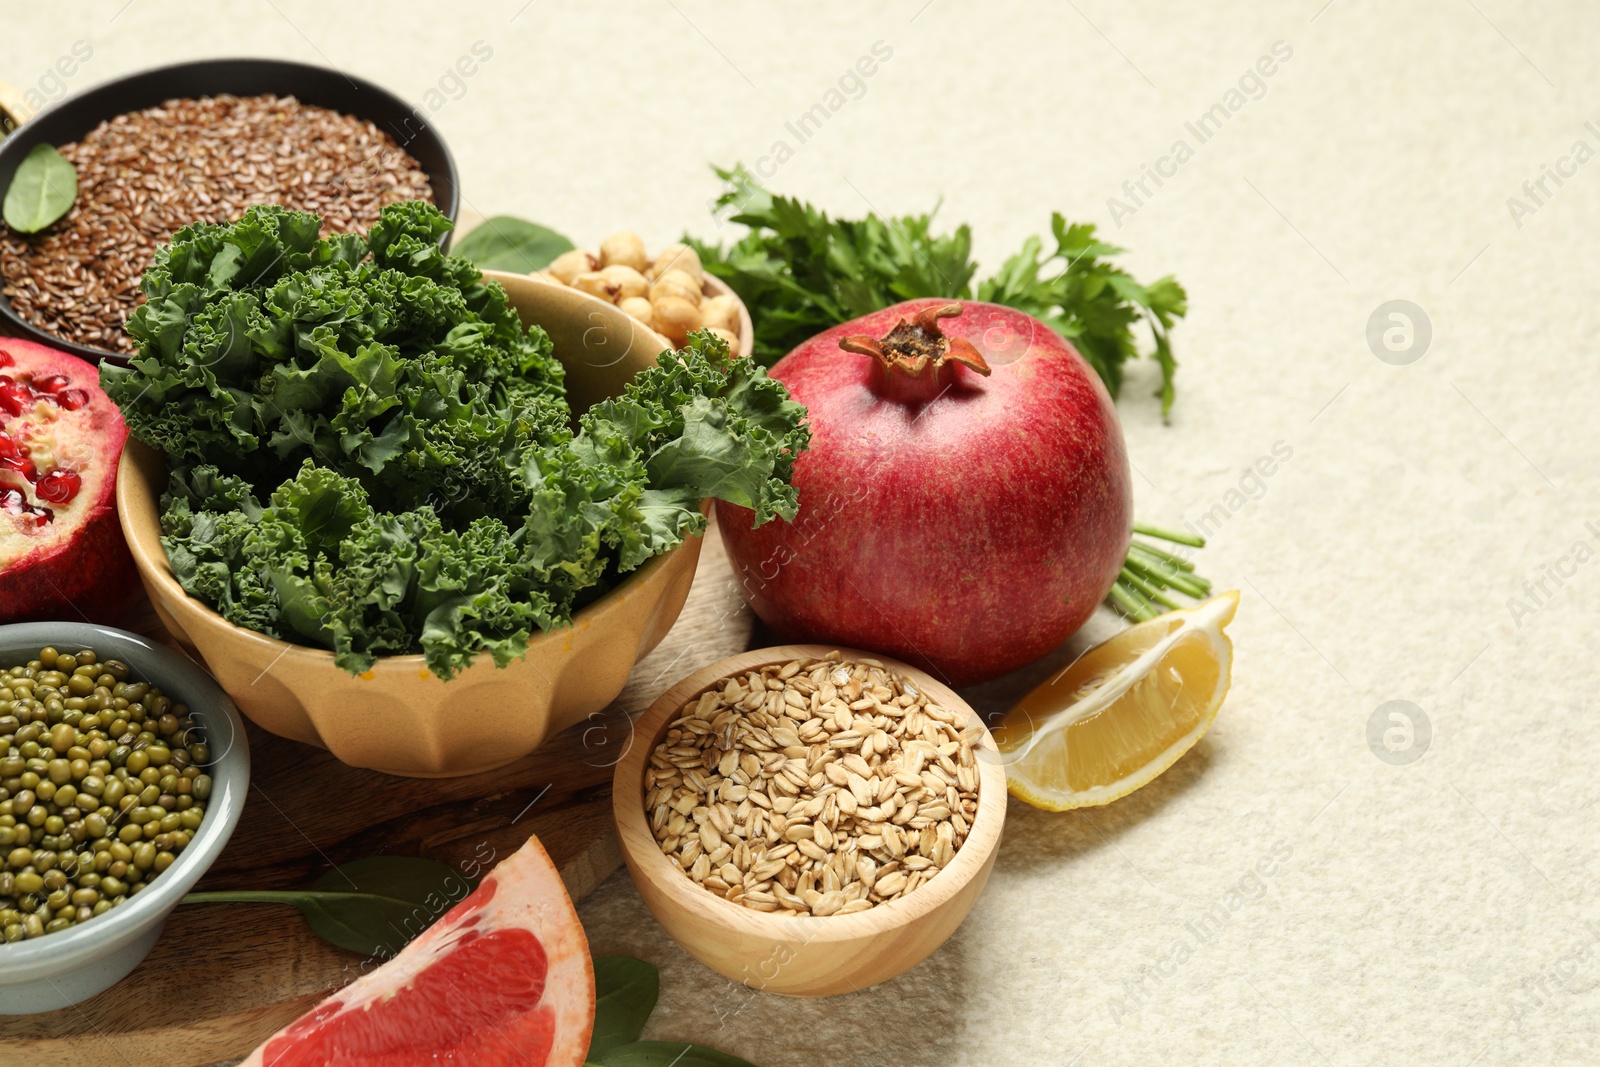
[200,142]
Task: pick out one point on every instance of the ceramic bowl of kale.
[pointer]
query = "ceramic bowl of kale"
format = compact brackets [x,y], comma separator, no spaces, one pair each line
[418,514]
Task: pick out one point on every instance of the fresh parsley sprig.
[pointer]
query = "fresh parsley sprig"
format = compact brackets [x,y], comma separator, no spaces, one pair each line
[1077,292]
[800,272]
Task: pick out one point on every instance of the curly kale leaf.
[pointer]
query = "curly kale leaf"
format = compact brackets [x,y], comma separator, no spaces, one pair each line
[403,357]
[711,426]
[370,584]
[370,454]
[206,519]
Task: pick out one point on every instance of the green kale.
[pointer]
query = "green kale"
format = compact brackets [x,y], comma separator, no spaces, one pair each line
[368,453]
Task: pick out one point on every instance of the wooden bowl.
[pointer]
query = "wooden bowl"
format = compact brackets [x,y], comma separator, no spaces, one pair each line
[398,717]
[803,955]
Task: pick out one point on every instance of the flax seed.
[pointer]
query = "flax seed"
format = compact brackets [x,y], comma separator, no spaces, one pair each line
[146,174]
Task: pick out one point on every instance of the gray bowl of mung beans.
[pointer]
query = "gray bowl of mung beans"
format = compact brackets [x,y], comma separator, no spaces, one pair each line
[162,726]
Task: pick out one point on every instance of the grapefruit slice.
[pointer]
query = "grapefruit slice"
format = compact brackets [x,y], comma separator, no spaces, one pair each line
[503,978]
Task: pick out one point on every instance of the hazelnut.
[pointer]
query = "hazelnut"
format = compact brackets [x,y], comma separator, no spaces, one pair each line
[674,318]
[597,284]
[728,336]
[628,281]
[623,249]
[721,312]
[638,307]
[568,265]
[676,283]
[677,257]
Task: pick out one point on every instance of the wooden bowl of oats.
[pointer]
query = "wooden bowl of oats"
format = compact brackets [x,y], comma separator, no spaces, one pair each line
[809,820]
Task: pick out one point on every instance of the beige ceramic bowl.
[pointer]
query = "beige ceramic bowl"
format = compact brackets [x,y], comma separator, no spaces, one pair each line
[747,329]
[797,955]
[712,286]
[398,717]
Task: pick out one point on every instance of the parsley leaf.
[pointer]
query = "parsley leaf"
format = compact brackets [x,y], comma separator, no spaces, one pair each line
[800,272]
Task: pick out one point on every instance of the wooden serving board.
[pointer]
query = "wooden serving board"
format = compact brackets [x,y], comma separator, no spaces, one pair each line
[225,976]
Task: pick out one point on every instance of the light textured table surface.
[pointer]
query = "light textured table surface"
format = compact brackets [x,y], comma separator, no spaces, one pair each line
[1437,912]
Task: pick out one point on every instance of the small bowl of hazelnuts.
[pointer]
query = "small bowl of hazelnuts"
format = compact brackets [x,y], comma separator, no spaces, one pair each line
[670,292]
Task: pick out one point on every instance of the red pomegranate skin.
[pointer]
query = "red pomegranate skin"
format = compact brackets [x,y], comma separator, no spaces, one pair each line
[76,566]
[967,525]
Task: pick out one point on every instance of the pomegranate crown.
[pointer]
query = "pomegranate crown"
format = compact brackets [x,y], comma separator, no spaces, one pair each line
[917,346]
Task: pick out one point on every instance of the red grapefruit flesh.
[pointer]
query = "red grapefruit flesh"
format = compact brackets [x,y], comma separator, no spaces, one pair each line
[503,978]
[62,555]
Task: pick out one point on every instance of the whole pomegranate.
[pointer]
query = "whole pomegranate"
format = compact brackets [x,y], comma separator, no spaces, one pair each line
[965,502]
[62,555]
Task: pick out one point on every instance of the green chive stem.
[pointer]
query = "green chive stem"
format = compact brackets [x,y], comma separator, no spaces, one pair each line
[1162,554]
[1150,592]
[1131,602]
[1187,584]
[1177,537]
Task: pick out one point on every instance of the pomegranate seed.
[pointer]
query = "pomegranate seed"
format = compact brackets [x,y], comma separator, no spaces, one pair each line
[21,464]
[12,500]
[59,486]
[5,358]
[51,384]
[72,399]
[14,398]
[8,447]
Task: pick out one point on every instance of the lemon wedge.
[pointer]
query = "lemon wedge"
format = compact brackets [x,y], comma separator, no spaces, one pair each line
[1123,712]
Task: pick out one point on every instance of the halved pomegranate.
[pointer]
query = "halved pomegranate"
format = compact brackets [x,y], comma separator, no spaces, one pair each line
[62,555]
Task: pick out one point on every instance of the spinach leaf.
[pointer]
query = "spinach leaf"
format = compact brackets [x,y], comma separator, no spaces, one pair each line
[667,1054]
[511,244]
[42,190]
[625,992]
[373,906]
